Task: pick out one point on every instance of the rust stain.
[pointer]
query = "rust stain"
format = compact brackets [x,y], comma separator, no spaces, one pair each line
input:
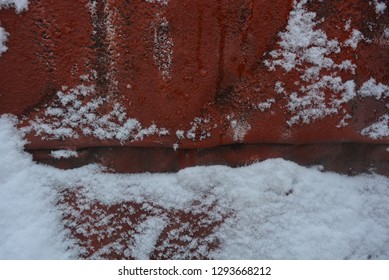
[222,40]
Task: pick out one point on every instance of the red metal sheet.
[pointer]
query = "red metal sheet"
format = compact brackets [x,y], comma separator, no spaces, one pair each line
[195,74]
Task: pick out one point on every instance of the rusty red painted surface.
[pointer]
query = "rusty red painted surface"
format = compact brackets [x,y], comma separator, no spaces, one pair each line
[191,75]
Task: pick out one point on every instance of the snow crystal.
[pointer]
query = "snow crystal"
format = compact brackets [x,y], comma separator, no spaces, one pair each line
[180,134]
[269,210]
[19,5]
[240,129]
[198,130]
[63,154]
[380,7]
[267,104]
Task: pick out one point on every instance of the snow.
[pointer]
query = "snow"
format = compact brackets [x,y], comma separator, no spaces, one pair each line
[75,111]
[378,129]
[264,106]
[275,209]
[240,129]
[355,38]
[386,33]
[19,5]
[3,39]
[304,48]
[380,7]
[58,154]
[279,87]
[29,223]
[378,91]
[180,134]
[160,2]
[373,89]
[145,241]
[347,25]
[198,131]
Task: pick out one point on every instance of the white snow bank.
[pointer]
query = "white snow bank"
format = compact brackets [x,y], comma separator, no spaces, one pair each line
[29,224]
[275,209]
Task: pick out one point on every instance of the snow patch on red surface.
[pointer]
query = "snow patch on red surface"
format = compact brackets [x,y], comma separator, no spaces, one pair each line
[305,48]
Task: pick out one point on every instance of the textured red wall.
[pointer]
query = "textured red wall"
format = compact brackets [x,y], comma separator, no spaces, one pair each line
[196,74]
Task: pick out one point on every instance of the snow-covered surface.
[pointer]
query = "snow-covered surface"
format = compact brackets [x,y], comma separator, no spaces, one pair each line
[274,209]
[75,111]
[30,226]
[321,91]
[307,49]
